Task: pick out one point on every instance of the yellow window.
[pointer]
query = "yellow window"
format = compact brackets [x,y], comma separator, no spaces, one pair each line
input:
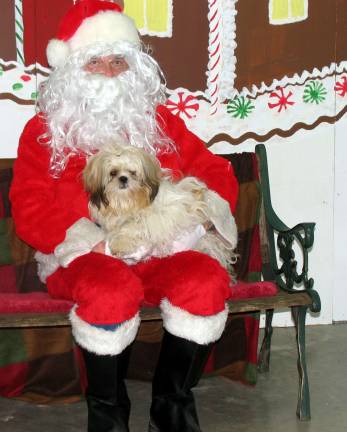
[152,17]
[287,11]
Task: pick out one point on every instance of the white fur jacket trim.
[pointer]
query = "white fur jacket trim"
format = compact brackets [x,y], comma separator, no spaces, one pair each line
[101,341]
[80,239]
[200,329]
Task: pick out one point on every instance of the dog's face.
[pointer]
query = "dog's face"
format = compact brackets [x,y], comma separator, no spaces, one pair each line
[121,180]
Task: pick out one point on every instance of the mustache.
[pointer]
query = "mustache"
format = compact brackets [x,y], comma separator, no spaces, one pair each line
[100,92]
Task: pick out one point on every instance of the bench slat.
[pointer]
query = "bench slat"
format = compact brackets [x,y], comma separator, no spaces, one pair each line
[281,300]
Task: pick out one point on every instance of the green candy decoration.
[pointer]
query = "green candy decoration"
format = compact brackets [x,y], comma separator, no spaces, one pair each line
[17,86]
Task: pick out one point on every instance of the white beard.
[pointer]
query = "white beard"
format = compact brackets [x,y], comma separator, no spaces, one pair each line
[84,111]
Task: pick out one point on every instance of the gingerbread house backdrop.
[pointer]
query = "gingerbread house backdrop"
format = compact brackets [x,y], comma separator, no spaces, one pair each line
[239,72]
[259,68]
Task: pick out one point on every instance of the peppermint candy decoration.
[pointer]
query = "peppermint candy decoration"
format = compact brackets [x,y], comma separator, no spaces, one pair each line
[183,105]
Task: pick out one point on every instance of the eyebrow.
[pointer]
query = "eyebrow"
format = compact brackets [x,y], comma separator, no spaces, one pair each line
[93,58]
[117,56]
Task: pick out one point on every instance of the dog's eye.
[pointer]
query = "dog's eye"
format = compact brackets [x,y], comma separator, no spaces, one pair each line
[133,173]
[113,173]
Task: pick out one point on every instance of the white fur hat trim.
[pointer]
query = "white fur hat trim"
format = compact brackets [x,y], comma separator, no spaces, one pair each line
[105,27]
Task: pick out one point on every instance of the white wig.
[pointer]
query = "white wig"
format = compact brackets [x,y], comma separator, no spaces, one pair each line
[85,111]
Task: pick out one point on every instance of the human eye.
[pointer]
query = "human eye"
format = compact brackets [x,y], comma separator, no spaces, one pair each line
[117,61]
[93,62]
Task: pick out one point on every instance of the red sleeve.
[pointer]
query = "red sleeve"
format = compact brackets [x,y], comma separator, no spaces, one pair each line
[196,160]
[40,213]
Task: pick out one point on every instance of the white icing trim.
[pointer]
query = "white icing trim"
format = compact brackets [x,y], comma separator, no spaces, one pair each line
[228,74]
[222,43]
[296,79]
[185,91]
[25,68]
[265,122]
[200,329]
[254,91]
[290,19]
[100,341]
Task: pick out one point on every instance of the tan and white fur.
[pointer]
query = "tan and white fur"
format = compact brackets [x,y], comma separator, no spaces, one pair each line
[145,213]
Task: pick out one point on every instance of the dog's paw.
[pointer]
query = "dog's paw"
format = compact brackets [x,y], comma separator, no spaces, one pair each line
[120,246]
[127,248]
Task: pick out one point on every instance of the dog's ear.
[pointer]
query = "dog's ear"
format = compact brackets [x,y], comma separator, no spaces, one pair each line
[98,197]
[93,181]
[152,174]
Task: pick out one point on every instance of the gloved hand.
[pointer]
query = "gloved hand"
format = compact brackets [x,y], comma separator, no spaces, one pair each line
[80,239]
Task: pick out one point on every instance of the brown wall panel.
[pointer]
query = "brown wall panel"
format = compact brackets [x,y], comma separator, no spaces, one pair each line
[184,57]
[341,31]
[265,52]
[7,31]
[41,18]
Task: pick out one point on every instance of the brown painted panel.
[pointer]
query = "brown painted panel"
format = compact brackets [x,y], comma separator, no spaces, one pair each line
[265,52]
[41,18]
[7,31]
[341,31]
[184,57]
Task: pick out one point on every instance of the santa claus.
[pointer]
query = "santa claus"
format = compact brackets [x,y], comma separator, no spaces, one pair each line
[104,86]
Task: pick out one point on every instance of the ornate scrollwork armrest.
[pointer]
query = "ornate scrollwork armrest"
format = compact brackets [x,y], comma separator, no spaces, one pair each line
[287,275]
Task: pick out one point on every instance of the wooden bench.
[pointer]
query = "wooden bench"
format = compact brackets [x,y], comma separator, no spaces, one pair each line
[295,288]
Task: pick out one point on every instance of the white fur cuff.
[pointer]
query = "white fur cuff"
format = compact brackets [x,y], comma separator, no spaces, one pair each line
[100,341]
[197,328]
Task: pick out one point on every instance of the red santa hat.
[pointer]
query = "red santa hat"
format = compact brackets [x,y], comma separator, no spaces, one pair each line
[87,22]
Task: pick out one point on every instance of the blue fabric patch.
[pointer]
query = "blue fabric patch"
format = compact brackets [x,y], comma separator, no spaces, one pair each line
[109,327]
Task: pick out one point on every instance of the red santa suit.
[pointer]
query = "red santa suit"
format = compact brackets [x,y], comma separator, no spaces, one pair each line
[190,287]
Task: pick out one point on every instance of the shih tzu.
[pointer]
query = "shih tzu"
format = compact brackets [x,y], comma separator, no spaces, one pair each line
[145,213]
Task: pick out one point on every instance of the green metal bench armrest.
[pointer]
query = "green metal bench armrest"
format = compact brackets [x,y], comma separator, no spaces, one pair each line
[271,217]
[286,275]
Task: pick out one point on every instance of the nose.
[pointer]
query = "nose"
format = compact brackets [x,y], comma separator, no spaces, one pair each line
[107,70]
[123,180]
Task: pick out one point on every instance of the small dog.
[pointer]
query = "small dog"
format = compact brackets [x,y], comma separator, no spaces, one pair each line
[145,213]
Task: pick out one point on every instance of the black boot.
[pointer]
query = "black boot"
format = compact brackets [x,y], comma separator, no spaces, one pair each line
[106,395]
[180,366]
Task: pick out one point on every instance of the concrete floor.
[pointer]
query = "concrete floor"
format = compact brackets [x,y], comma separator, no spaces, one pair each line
[226,406]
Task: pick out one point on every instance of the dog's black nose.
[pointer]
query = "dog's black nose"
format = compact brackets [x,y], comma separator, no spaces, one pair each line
[123,180]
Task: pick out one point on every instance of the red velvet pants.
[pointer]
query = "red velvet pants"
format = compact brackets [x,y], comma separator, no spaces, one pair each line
[108,291]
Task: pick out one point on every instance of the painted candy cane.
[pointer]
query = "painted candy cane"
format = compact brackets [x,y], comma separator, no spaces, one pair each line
[214,48]
[18,6]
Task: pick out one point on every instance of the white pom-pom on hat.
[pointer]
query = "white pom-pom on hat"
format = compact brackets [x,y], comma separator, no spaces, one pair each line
[87,22]
[57,52]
